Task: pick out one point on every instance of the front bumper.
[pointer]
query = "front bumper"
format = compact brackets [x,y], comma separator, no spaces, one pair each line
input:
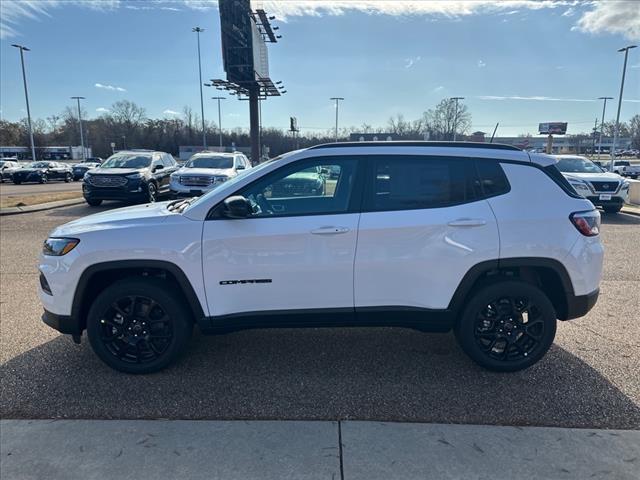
[129,193]
[63,323]
[180,190]
[614,201]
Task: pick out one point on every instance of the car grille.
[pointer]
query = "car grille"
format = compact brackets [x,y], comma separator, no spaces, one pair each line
[292,189]
[611,186]
[198,180]
[107,181]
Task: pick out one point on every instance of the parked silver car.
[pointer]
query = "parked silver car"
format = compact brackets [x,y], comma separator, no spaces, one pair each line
[206,170]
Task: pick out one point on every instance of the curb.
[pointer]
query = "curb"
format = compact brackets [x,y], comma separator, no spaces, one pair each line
[40,206]
[631,209]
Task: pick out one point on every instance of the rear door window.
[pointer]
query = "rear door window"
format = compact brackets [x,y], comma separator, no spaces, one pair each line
[418,182]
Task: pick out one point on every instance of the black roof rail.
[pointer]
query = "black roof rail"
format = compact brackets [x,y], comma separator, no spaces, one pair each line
[418,143]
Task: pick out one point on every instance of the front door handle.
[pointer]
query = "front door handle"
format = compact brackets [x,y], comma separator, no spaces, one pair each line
[329,230]
[467,222]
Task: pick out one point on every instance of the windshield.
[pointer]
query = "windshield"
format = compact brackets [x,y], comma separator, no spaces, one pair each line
[127,161]
[38,165]
[210,162]
[577,165]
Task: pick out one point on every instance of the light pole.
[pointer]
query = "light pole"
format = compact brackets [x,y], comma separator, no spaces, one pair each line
[204,132]
[84,157]
[604,107]
[337,99]
[455,117]
[219,118]
[22,49]
[617,131]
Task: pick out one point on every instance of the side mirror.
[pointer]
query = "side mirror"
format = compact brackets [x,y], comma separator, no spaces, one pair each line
[158,167]
[240,167]
[324,171]
[237,207]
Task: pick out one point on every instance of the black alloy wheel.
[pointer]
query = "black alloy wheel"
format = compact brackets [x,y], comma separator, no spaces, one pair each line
[139,325]
[507,326]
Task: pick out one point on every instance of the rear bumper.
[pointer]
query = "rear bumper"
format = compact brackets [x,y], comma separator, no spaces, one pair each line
[63,323]
[579,305]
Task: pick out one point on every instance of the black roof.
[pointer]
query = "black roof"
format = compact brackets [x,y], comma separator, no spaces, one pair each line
[414,143]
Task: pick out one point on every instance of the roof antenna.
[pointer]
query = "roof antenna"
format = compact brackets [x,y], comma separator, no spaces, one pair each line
[494,132]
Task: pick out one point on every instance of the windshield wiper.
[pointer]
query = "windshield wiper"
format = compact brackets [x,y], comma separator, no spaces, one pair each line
[180,205]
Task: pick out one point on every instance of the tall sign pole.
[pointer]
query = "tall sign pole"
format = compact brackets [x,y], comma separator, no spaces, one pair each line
[617,131]
[337,99]
[84,157]
[23,49]
[197,30]
[604,108]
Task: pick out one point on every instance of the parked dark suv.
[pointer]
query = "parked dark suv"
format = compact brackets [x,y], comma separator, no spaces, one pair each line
[42,172]
[131,176]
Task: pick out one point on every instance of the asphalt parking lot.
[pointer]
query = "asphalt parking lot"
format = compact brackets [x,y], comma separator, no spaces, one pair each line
[588,379]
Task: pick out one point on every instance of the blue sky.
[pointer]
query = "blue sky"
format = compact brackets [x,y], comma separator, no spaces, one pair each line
[384,57]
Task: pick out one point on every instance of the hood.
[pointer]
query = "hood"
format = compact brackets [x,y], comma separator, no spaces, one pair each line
[227,172]
[594,177]
[117,171]
[118,218]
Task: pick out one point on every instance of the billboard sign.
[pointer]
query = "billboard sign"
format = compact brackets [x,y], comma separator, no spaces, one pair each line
[244,51]
[553,128]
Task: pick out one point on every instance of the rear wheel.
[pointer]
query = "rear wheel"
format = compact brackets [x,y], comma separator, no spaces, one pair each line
[507,326]
[612,208]
[94,203]
[68,178]
[43,179]
[138,325]
[17,182]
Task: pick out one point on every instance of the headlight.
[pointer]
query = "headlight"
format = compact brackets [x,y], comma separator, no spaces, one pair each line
[135,175]
[56,247]
[580,187]
[625,186]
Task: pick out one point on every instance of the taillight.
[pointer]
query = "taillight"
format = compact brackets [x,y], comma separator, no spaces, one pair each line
[587,223]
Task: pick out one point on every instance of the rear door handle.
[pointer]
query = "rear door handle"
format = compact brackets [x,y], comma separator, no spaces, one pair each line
[467,222]
[329,230]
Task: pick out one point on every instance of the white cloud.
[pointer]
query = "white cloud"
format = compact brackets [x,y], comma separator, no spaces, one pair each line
[411,61]
[170,112]
[614,16]
[535,98]
[637,65]
[617,17]
[438,89]
[481,64]
[102,110]
[110,87]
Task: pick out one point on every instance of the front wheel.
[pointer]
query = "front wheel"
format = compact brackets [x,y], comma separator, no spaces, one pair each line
[612,208]
[43,179]
[152,192]
[67,178]
[94,203]
[138,325]
[507,326]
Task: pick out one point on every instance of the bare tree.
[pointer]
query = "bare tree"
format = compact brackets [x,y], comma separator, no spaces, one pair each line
[441,121]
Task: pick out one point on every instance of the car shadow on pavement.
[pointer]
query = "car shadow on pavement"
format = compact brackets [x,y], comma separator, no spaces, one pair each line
[383,374]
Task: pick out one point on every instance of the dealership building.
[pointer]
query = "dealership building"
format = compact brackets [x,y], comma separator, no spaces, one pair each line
[45,153]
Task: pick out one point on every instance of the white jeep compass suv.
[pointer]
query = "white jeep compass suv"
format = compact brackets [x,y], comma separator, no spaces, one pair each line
[486,240]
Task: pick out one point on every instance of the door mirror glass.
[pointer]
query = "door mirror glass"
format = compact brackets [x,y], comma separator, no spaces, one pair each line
[240,167]
[237,206]
[158,167]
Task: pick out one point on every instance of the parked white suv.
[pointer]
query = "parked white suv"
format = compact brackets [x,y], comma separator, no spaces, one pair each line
[487,240]
[206,170]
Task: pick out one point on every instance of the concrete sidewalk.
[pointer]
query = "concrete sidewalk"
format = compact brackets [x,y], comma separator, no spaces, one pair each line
[154,449]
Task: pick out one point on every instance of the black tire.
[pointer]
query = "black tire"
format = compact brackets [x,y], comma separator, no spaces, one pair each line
[612,208]
[67,178]
[143,339]
[495,332]
[152,192]
[43,179]
[17,182]
[94,203]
